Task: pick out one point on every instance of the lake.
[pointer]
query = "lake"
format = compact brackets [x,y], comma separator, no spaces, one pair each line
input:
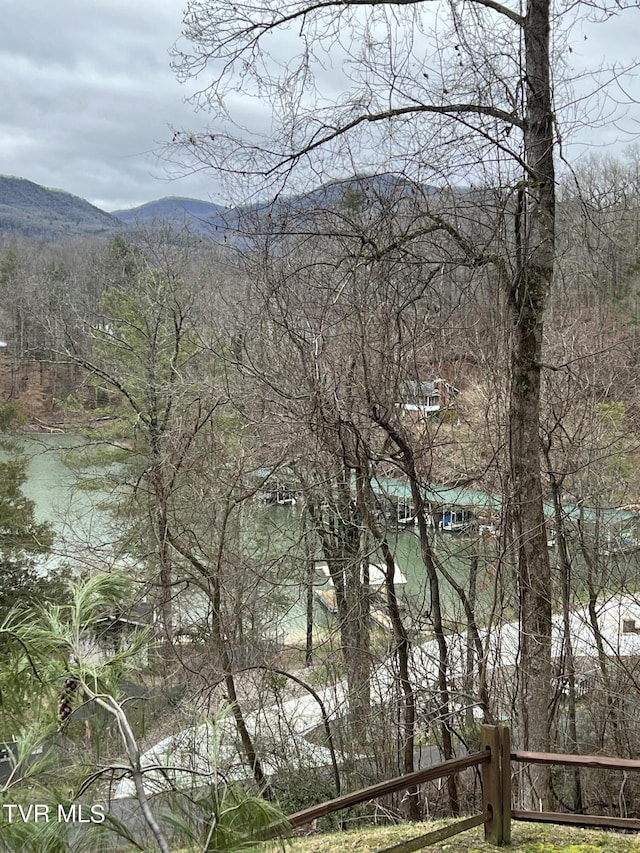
[85,535]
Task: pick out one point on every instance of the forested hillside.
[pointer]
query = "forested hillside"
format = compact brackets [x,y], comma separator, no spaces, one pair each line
[199,217]
[30,209]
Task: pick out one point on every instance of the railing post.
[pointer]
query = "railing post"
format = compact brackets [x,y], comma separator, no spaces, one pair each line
[493,785]
[505,774]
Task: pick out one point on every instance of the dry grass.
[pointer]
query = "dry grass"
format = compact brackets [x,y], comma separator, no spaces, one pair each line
[526,838]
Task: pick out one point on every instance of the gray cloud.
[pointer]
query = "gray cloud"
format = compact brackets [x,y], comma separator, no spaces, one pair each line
[89,97]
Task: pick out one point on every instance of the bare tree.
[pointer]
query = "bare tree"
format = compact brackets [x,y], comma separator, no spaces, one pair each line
[334,338]
[414,89]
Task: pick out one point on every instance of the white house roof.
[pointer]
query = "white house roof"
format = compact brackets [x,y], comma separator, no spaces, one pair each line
[377,574]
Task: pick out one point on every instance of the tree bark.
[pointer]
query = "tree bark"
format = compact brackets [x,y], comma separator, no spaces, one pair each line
[443,702]
[402,647]
[534,256]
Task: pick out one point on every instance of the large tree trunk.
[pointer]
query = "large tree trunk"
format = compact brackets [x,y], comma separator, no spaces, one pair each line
[535,246]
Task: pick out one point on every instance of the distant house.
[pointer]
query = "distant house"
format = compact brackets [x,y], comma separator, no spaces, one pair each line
[426,397]
[114,631]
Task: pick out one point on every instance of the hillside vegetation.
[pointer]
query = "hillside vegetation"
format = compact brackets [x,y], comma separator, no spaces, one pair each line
[199,217]
[265,422]
[35,211]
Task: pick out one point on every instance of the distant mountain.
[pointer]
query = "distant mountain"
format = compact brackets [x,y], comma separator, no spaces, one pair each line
[346,200]
[360,189]
[198,217]
[223,223]
[35,211]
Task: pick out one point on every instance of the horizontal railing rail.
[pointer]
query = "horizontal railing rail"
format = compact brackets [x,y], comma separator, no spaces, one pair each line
[440,834]
[597,762]
[381,789]
[570,819]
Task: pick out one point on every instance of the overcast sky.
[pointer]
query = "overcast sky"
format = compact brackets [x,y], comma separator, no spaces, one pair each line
[88,96]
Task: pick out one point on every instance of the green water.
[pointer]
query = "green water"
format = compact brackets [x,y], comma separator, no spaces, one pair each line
[452,551]
[83,531]
[82,527]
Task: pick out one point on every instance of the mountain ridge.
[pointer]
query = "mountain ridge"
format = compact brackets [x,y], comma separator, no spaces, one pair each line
[198,216]
[36,211]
